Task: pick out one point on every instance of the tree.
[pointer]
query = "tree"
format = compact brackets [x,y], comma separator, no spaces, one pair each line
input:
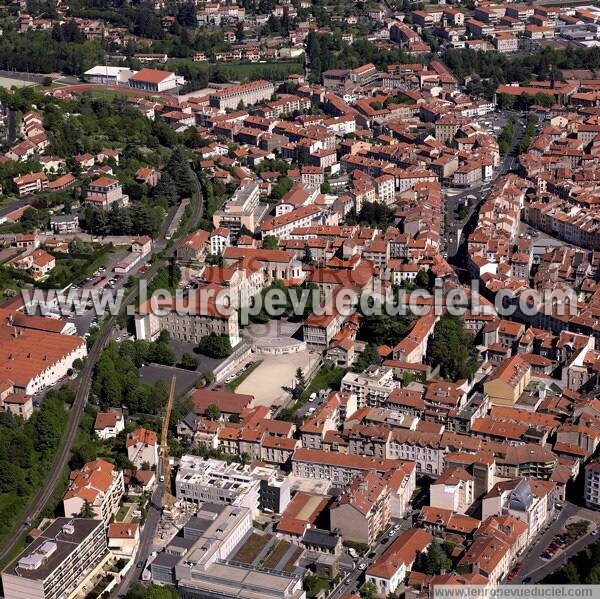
[307,257]
[167,189]
[87,510]
[433,561]
[178,167]
[425,279]
[270,242]
[215,346]
[188,362]
[300,384]
[369,590]
[213,412]
[452,349]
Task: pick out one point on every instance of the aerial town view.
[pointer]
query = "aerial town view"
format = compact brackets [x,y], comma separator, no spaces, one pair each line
[299,299]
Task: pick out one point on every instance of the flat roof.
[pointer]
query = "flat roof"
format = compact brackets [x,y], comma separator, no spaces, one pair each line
[66,544]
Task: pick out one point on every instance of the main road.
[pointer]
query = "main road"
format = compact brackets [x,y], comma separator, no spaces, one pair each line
[82,389]
[156,500]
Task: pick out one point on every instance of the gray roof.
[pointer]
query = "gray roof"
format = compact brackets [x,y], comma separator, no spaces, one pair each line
[320,537]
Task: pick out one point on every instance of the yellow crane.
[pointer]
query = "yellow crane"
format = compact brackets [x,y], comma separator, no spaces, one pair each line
[165,468]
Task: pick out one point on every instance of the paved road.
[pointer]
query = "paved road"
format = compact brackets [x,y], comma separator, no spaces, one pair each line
[146,537]
[156,501]
[355,579]
[481,191]
[82,389]
[536,568]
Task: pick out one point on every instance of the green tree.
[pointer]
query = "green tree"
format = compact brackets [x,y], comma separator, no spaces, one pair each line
[300,384]
[368,590]
[213,412]
[307,257]
[178,167]
[452,349]
[166,188]
[87,510]
[188,361]
[270,242]
[215,346]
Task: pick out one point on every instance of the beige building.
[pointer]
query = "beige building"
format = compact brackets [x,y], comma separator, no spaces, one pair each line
[187,324]
[508,381]
[241,210]
[246,94]
[123,538]
[142,447]
[104,192]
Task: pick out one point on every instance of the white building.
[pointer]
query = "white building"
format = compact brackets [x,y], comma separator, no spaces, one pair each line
[108,425]
[219,240]
[371,387]
[108,75]
[199,480]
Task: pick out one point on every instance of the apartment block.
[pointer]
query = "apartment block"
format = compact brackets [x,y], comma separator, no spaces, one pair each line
[56,562]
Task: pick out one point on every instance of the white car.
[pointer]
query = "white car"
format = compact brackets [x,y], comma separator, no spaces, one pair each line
[362,566]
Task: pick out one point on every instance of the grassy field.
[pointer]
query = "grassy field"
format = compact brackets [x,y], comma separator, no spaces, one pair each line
[8,83]
[328,376]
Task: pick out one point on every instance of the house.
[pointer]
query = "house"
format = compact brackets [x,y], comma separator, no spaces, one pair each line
[98,485]
[389,571]
[142,448]
[38,263]
[219,240]
[142,245]
[108,424]
[148,175]
[123,538]
[30,183]
[362,512]
[193,246]
[18,404]
[104,192]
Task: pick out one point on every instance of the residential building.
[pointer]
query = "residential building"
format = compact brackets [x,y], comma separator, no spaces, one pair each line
[142,448]
[99,485]
[391,568]
[104,192]
[108,424]
[362,512]
[57,561]
[453,490]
